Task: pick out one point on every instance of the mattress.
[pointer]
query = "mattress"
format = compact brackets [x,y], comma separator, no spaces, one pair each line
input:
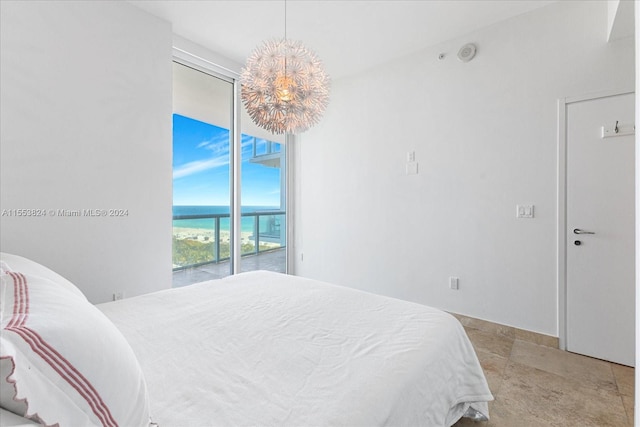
[265,348]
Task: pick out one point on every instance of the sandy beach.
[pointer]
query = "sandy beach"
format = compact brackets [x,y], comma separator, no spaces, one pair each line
[207,235]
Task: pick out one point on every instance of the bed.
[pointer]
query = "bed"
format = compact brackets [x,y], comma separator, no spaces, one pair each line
[258,348]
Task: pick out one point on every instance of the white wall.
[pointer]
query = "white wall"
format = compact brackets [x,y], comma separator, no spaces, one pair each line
[637,374]
[86,124]
[485,137]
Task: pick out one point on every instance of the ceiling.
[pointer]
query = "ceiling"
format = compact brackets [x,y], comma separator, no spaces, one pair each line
[348,35]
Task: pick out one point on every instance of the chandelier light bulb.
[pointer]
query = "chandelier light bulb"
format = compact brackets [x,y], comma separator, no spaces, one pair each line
[284,87]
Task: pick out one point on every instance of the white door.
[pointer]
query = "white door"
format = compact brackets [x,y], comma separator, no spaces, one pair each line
[600,316]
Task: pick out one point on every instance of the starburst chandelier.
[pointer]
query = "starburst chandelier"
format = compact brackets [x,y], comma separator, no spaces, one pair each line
[284,86]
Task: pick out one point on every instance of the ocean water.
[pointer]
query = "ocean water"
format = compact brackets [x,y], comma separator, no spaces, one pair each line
[247,223]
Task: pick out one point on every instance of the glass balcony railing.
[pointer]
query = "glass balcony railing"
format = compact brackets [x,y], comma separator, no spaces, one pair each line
[206,239]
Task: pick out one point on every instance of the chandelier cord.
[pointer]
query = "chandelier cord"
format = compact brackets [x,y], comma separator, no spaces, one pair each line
[285,38]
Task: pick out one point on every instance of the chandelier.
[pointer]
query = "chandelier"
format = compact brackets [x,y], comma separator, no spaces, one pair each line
[284,86]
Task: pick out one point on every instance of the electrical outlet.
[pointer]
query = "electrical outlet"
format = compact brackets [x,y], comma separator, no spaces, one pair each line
[412,168]
[118,296]
[453,283]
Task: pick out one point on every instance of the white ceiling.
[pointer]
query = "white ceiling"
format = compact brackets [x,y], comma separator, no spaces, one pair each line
[348,35]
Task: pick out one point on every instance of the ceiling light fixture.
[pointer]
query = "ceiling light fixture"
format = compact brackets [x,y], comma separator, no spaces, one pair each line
[284,86]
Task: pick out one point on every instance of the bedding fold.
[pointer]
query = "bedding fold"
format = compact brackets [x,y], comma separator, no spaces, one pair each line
[269,349]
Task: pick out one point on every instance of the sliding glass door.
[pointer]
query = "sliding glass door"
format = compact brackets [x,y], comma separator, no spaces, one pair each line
[263,205]
[202,120]
[203,184]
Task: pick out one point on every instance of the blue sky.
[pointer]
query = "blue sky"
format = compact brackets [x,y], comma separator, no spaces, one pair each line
[201,167]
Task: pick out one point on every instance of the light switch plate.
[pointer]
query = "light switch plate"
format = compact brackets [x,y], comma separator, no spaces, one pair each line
[524,211]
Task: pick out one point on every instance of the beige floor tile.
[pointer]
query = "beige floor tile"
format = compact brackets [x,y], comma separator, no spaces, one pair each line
[592,372]
[482,325]
[536,338]
[628,403]
[505,414]
[555,400]
[536,385]
[493,367]
[491,343]
[625,379]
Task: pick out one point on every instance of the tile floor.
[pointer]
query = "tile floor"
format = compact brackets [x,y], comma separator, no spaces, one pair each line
[275,260]
[534,385]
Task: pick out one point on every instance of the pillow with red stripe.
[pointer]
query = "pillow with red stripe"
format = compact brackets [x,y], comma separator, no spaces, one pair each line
[26,265]
[70,365]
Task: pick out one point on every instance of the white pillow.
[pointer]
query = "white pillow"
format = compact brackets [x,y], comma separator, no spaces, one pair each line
[72,366]
[25,265]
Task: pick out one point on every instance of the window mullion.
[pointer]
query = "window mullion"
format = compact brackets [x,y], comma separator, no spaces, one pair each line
[235,170]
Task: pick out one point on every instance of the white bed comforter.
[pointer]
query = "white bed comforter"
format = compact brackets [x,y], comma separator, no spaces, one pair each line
[269,349]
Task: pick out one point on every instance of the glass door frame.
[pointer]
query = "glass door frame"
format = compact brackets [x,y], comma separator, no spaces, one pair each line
[235,158]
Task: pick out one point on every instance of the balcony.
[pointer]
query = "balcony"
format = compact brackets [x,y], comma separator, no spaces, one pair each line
[268,154]
[274,260]
[201,245]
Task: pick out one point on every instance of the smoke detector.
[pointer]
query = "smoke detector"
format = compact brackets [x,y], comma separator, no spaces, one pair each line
[467,52]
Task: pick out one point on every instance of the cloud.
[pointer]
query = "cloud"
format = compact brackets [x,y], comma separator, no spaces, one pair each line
[218,144]
[199,166]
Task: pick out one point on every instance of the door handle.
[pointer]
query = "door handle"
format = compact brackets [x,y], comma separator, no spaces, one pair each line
[578,231]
